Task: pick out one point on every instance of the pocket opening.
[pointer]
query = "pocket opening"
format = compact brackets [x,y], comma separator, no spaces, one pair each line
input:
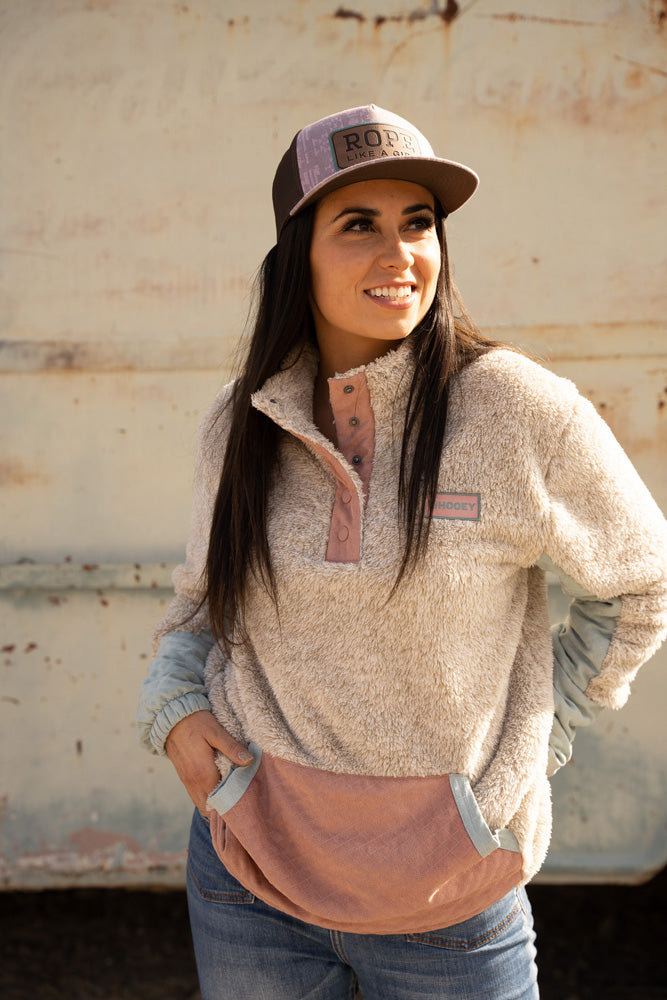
[234,786]
[484,840]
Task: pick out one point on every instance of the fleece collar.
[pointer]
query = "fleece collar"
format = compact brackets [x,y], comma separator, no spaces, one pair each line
[287,396]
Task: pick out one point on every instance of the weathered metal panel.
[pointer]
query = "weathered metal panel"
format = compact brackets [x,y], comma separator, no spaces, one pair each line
[137,147]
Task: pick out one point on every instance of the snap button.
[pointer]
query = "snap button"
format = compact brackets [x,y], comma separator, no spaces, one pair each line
[346,496]
[356,460]
[343,534]
[354,421]
[348,388]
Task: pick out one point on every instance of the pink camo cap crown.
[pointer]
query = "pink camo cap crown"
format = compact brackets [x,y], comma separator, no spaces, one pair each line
[363,144]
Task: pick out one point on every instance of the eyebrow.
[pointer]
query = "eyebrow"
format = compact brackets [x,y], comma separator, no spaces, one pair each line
[374,213]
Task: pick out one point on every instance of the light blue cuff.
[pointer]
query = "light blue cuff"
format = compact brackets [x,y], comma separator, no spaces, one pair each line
[173,712]
[173,687]
[580,645]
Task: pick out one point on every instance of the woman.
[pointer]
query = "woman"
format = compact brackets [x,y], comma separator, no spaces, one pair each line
[356,681]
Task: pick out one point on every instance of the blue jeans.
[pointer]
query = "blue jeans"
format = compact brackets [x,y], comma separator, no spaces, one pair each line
[247,950]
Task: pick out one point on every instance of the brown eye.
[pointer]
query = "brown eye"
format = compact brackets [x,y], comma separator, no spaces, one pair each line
[422,222]
[360,225]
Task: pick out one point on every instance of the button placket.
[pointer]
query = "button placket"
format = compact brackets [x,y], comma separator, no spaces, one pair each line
[355,431]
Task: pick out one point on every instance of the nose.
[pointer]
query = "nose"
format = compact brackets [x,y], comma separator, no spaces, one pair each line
[396,253]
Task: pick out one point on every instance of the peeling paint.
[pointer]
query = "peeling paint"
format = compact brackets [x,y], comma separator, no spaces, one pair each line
[449,14]
[118,856]
[344,14]
[658,12]
[89,840]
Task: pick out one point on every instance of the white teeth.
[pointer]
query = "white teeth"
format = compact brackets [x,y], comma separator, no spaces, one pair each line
[391,292]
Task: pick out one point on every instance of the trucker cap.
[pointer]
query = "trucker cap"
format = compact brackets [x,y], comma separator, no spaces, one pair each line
[358,144]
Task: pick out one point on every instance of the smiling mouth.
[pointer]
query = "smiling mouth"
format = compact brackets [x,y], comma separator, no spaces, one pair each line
[392,293]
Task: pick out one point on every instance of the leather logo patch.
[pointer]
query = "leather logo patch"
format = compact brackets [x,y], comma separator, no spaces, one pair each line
[458,506]
[371,142]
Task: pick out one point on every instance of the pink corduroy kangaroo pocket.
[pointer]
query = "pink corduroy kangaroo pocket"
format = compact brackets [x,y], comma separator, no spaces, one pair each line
[362,854]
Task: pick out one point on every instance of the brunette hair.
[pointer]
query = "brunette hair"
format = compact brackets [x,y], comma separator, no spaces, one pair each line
[442,344]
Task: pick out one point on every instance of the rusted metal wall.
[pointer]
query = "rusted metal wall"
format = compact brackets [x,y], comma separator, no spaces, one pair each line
[137,148]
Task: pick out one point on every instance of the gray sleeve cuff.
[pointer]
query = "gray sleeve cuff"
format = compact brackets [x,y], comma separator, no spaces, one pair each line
[580,645]
[174,686]
[173,712]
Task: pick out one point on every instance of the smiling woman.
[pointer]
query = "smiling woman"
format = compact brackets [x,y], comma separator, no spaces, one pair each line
[356,681]
[374,265]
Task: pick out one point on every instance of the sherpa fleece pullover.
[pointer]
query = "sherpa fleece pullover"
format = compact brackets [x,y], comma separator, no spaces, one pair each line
[399,781]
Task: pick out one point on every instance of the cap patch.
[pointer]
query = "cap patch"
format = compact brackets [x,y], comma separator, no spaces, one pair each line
[371,141]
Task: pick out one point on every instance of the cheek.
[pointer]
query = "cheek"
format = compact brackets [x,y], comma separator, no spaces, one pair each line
[432,269]
[327,280]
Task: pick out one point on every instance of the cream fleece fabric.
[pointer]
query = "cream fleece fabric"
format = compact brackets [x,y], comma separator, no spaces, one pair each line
[454,674]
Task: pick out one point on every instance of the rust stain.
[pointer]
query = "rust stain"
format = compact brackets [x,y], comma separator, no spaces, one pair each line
[89,840]
[9,649]
[345,14]
[9,700]
[658,12]
[79,747]
[14,472]
[30,647]
[450,12]
[640,66]
[84,225]
[90,567]
[513,17]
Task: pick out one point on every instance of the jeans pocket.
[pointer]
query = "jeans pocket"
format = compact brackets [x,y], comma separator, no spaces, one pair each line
[206,875]
[498,920]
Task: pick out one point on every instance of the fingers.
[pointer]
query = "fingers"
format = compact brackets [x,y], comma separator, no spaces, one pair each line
[231,748]
[191,747]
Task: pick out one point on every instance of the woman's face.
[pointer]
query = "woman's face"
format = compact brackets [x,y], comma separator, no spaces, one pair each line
[374,262]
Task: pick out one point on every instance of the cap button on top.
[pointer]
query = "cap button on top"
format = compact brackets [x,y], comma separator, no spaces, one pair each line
[356,460]
[348,388]
[354,421]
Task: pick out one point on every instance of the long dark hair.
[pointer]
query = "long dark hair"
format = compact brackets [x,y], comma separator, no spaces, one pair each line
[443,343]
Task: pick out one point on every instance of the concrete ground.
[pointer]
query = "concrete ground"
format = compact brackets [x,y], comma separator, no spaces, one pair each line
[594,943]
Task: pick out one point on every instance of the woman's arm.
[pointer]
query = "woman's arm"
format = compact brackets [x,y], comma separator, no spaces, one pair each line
[607,544]
[174,715]
[173,687]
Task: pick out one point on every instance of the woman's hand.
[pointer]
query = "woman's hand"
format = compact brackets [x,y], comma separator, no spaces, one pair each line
[191,747]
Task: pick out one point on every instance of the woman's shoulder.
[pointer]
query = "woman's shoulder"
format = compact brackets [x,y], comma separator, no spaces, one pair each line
[507,379]
[214,424]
